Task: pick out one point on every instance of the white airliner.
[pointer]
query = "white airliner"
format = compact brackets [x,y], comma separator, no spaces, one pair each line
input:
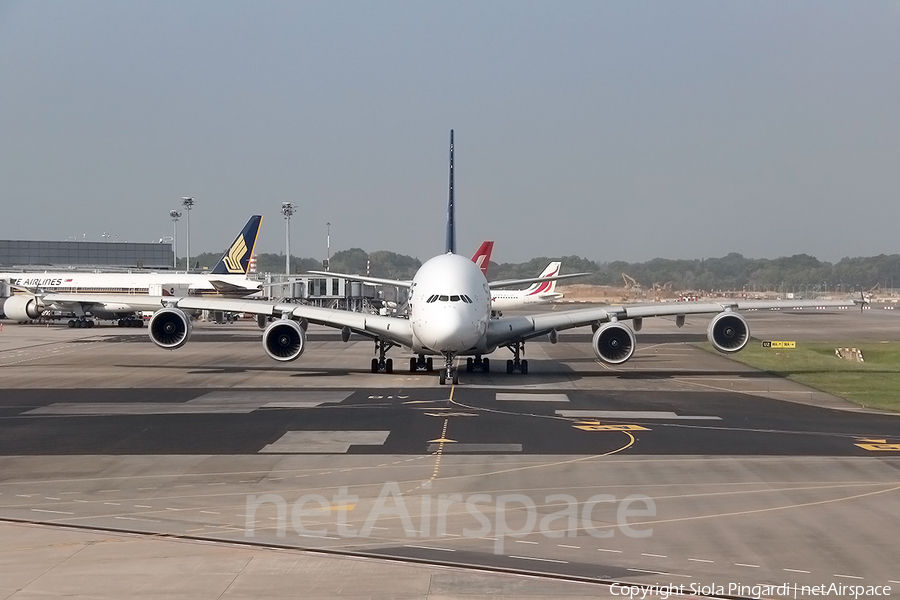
[122,296]
[539,292]
[450,317]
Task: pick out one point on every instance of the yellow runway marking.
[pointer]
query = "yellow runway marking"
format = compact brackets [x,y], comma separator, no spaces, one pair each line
[336,507]
[877,447]
[591,427]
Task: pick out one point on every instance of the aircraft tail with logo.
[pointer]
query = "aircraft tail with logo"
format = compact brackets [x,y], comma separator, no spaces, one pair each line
[545,290]
[482,256]
[236,260]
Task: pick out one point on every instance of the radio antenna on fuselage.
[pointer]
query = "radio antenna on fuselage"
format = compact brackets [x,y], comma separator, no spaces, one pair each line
[451,225]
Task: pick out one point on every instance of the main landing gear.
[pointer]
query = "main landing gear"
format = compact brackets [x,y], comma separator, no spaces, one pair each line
[421,362]
[81,323]
[449,373]
[382,363]
[515,364]
[131,322]
[478,364]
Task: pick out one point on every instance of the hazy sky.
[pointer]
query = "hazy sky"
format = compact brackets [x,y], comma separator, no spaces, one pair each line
[611,130]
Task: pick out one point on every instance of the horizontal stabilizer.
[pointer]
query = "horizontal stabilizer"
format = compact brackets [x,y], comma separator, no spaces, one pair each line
[226,288]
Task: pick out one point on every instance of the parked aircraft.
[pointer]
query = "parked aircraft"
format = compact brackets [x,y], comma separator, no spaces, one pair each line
[122,296]
[539,292]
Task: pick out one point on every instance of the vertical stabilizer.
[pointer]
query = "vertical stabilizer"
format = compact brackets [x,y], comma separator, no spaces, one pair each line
[545,287]
[482,256]
[451,210]
[236,260]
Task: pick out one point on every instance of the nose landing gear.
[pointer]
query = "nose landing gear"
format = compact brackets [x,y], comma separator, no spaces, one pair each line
[449,373]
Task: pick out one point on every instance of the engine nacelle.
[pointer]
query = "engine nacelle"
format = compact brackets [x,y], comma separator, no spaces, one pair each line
[613,343]
[284,340]
[728,332]
[170,328]
[22,308]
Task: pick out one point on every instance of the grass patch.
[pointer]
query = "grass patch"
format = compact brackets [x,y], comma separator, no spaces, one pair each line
[874,383]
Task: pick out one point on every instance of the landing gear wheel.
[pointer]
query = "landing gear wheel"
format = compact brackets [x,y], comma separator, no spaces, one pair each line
[509,367]
[442,379]
[90,324]
[524,367]
[469,362]
[455,377]
[429,364]
[413,365]
[389,365]
[486,365]
[71,323]
[374,365]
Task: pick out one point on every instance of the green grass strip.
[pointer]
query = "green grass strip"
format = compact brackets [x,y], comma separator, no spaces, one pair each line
[874,383]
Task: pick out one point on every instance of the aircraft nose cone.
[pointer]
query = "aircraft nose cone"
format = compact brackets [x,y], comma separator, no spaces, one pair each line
[450,331]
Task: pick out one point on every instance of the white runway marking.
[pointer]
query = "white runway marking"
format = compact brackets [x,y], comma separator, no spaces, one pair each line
[524,397]
[633,414]
[324,442]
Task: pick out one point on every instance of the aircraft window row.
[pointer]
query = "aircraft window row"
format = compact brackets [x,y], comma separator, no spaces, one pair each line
[443,298]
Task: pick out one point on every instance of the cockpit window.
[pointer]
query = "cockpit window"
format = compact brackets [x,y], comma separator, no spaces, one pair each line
[443,298]
[466,299]
[454,298]
[432,298]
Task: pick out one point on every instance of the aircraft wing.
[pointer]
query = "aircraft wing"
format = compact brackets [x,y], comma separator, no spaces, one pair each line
[135,302]
[390,328]
[510,329]
[363,278]
[505,283]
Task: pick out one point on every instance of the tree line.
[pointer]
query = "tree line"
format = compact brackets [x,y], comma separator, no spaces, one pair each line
[731,272]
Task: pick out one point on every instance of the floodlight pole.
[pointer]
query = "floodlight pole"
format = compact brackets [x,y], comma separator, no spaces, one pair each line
[187,202]
[287,209]
[328,245]
[175,214]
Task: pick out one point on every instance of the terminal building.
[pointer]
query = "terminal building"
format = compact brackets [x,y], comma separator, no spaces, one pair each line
[31,254]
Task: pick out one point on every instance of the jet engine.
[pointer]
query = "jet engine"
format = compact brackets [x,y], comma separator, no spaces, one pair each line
[613,343]
[284,340]
[170,328]
[22,308]
[728,332]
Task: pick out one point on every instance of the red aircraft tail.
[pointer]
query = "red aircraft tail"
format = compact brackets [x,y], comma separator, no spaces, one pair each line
[482,256]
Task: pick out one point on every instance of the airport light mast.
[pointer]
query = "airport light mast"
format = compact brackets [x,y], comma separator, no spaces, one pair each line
[175,214]
[328,246]
[287,209]
[187,202]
